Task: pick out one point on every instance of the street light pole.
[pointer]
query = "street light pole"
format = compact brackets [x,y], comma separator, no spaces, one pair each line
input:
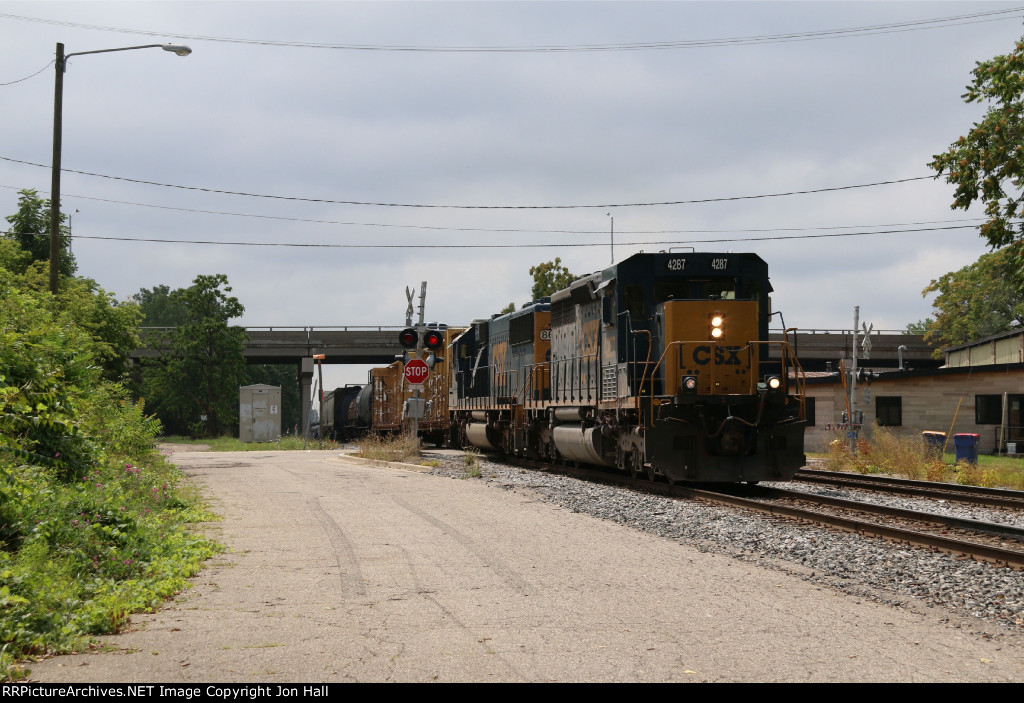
[58,100]
[58,109]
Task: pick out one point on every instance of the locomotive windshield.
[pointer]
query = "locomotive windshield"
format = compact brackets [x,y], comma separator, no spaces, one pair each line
[695,289]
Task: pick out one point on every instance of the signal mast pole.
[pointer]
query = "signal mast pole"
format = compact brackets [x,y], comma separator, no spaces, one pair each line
[853,381]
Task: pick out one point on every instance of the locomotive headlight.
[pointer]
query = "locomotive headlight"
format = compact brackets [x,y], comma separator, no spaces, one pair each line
[690,384]
[774,383]
[716,326]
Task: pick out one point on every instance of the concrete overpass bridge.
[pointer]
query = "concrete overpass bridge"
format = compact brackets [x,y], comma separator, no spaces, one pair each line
[361,344]
[354,344]
[379,345]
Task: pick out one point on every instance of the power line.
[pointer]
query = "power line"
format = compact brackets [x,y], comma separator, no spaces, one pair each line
[867,30]
[27,77]
[474,207]
[498,230]
[505,230]
[518,246]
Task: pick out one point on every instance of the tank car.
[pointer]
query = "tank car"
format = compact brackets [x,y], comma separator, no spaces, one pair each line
[337,424]
[658,365]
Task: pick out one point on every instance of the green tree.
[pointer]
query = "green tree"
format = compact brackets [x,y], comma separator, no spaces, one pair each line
[919,327]
[987,164]
[30,228]
[549,277]
[284,375]
[977,301]
[159,308]
[203,366]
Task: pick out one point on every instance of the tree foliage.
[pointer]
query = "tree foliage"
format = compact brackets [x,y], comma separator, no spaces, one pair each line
[90,518]
[920,327]
[987,164]
[29,227]
[199,374]
[159,308]
[286,376]
[548,277]
[977,301]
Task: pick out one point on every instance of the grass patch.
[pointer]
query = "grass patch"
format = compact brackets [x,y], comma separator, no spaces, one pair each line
[883,451]
[471,458]
[403,448]
[233,444]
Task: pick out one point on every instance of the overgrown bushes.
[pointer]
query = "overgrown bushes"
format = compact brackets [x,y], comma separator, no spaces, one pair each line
[92,518]
[882,450]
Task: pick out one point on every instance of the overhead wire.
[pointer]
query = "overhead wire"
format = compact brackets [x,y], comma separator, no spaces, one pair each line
[332,201]
[521,245]
[31,76]
[498,230]
[813,35]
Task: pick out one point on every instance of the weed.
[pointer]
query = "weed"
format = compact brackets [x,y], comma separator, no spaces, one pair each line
[471,457]
[907,455]
[403,448]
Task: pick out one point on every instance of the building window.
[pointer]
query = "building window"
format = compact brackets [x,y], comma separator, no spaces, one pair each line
[889,410]
[988,409]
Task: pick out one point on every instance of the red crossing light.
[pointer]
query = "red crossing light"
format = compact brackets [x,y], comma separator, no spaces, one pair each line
[433,340]
[408,338]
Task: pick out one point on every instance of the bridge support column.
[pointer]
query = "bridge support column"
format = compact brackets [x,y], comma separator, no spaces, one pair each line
[305,370]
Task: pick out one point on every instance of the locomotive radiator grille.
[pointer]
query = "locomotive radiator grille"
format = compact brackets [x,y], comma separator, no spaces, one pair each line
[609,381]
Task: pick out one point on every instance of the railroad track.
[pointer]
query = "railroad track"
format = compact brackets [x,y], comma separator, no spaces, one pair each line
[978,495]
[992,542]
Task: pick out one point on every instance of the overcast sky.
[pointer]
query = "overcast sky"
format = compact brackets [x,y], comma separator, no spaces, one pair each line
[358,103]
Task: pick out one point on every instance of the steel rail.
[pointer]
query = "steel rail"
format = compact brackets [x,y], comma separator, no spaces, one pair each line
[1008,557]
[905,486]
[992,528]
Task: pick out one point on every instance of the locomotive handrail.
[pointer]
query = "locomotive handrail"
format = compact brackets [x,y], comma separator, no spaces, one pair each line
[533,371]
[584,363]
[504,384]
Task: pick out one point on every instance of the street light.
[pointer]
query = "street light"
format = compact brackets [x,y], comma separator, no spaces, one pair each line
[58,99]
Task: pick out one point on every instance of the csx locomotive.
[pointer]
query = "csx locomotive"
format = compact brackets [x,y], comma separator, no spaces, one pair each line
[659,365]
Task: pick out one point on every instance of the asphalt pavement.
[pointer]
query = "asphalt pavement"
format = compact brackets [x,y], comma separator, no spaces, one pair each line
[341,570]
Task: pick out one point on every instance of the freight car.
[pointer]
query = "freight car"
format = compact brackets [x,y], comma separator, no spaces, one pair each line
[383,405]
[658,365]
[337,423]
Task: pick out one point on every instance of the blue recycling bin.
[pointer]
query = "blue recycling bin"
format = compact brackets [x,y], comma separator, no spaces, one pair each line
[934,442]
[966,444]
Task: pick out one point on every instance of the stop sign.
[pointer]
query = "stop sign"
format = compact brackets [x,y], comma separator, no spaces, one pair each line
[416,371]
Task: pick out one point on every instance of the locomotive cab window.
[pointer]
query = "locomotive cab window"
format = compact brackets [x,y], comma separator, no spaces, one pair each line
[695,289]
[634,295]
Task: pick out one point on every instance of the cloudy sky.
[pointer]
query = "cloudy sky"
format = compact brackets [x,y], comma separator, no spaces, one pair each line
[324,123]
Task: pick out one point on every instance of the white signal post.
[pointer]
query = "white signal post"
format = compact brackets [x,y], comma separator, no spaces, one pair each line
[319,359]
[416,373]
